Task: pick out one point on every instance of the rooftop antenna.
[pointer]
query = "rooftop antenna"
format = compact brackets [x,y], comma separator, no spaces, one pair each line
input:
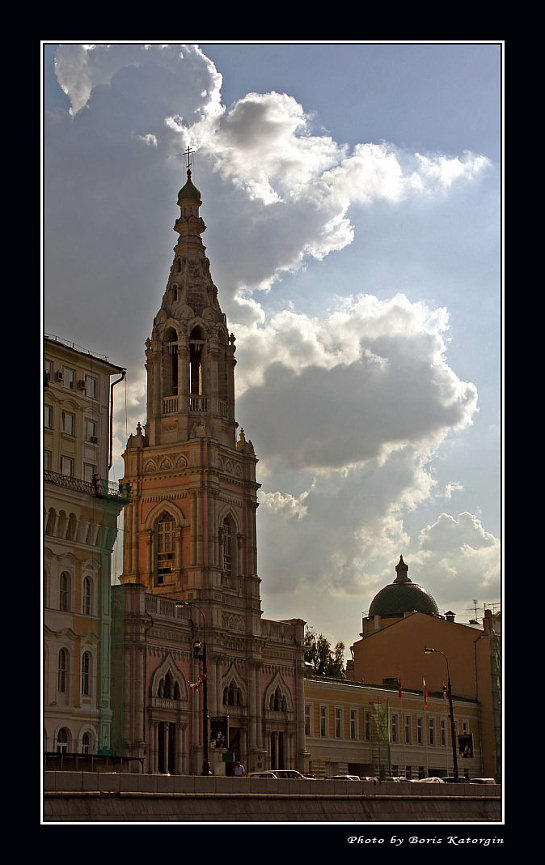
[473,609]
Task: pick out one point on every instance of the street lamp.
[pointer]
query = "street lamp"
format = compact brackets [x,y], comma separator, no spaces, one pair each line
[199,651]
[428,651]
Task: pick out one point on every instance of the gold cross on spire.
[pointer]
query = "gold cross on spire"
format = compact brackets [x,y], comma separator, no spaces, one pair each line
[188,153]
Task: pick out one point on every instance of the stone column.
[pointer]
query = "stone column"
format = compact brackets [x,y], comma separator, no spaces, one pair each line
[139,695]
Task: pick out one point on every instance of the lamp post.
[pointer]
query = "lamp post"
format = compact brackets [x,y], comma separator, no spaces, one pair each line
[199,651]
[428,651]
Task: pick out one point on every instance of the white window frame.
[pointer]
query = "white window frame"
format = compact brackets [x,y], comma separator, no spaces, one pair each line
[323,721]
[431,731]
[308,716]
[419,731]
[67,463]
[394,728]
[443,732]
[408,730]
[90,386]
[353,724]
[68,423]
[48,416]
[338,722]
[68,377]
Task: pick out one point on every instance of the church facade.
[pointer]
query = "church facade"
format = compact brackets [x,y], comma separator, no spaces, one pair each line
[199,677]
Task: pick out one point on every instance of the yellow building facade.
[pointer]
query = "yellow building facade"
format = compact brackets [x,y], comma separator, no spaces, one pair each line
[79,531]
[372,731]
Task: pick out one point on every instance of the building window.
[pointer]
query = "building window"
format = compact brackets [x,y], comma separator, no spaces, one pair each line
[47,460]
[407,729]
[394,728]
[307,720]
[196,343]
[86,743]
[338,723]
[90,386]
[47,371]
[431,731]
[67,423]
[443,732]
[227,545]
[62,741]
[419,737]
[353,723]
[86,674]
[67,466]
[277,702]
[90,430]
[87,596]
[62,669]
[64,592]
[232,695]
[367,726]
[323,731]
[48,416]
[88,471]
[165,547]
[68,377]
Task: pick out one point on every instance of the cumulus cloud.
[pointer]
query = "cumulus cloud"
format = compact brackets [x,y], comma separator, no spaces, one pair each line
[346,410]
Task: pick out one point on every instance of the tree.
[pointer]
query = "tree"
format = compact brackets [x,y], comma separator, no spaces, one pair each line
[324,660]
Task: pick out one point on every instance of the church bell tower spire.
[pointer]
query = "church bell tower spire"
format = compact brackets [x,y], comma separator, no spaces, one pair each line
[190,357]
[190,526]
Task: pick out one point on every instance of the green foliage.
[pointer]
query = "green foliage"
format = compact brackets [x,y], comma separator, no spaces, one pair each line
[325,660]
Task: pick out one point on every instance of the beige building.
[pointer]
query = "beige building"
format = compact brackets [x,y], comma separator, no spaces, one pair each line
[372,731]
[403,620]
[80,527]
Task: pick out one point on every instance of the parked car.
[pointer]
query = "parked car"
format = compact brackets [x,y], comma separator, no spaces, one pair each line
[396,778]
[369,778]
[450,779]
[343,778]
[278,773]
[430,780]
[482,781]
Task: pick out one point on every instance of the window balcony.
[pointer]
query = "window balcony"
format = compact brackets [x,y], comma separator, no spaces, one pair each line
[99,488]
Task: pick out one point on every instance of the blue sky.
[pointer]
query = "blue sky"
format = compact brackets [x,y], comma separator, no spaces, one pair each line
[352,197]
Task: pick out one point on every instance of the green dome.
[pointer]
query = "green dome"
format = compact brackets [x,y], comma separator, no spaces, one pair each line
[396,599]
[402,596]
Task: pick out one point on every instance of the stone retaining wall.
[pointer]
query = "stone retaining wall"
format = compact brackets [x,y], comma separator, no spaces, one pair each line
[113,797]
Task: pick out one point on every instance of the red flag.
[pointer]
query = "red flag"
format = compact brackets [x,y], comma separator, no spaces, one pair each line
[399,685]
[425,692]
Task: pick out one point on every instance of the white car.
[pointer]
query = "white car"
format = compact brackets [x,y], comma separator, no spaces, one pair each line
[278,773]
[343,778]
[431,780]
[482,781]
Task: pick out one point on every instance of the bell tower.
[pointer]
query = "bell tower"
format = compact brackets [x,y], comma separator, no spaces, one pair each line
[190,536]
[190,528]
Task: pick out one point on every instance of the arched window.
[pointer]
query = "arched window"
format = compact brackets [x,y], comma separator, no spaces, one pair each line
[277,702]
[164,546]
[62,671]
[87,597]
[171,362]
[86,743]
[71,529]
[62,741]
[86,674]
[50,527]
[227,537]
[64,591]
[232,695]
[196,343]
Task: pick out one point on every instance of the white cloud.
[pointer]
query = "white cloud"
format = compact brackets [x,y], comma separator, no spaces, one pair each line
[348,409]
